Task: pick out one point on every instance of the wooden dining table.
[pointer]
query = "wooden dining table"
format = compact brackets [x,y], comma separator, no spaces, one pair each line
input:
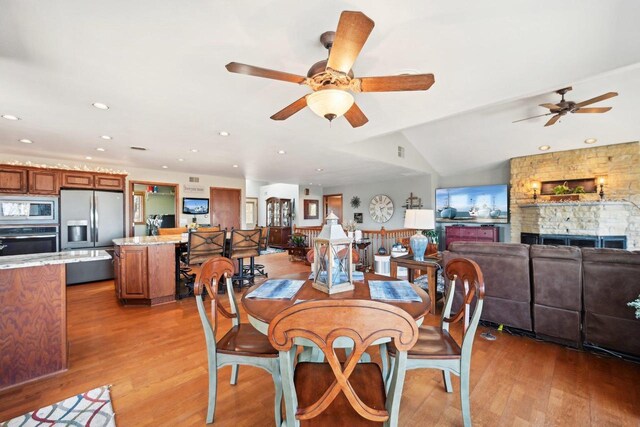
[262,311]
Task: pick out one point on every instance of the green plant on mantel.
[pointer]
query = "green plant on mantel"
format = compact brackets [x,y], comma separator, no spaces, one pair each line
[565,189]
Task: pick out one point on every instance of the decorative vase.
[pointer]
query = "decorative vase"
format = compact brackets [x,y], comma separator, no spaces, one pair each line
[418,243]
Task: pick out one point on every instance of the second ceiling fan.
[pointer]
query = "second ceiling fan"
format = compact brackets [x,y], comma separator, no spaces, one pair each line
[332,79]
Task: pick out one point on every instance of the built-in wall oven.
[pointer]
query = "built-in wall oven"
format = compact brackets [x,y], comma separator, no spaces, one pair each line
[20,240]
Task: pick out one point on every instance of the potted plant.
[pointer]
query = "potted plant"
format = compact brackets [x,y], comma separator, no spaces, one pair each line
[563,192]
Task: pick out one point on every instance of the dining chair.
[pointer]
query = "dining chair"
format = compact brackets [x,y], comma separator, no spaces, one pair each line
[241,345]
[436,348]
[244,244]
[332,393]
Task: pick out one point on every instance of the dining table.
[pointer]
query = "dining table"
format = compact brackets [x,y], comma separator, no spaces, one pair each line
[261,311]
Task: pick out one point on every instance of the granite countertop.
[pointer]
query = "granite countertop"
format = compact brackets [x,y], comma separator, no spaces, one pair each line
[152,240]
[50,258]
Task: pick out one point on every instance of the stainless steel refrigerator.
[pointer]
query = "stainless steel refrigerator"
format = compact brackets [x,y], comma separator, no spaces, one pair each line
[90,220]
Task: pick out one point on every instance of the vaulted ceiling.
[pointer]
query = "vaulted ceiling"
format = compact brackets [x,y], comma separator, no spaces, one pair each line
[160,68]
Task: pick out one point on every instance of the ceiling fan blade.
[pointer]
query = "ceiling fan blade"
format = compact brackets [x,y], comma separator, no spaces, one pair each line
[352,33]
[355,116]
[529,118]
[597,99]
[235,67]
[593,110]
[550,106]
[396,83]
[553,120]
[290,109]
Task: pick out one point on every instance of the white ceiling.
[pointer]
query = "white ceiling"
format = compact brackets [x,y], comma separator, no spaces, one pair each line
[160,67]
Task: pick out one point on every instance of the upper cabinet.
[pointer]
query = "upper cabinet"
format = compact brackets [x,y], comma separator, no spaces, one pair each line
[13,180]
[44,181]
[26,180]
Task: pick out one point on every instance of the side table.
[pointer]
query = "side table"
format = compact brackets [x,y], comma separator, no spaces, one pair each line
[429,264]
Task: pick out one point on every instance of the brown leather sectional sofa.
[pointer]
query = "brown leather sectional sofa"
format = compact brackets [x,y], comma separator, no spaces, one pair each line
[564,294]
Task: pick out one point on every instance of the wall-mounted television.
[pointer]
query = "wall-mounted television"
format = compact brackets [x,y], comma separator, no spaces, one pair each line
[195,206]
[479,204]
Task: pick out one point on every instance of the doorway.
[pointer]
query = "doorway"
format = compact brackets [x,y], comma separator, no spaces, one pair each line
[152,205]
[225,207]
[251,212]
[333,202]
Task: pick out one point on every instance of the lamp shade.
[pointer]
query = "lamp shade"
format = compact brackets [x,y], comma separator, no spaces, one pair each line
[419,219]
[330,103]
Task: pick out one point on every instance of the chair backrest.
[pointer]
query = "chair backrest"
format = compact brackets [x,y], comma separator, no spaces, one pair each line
[171,231]
[204,245]
[214,228]
[467,274]
[211,272]
[325,321]
[264,238]
[245,243]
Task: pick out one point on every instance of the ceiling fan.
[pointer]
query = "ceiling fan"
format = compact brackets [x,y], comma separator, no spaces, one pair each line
[563,107]
[332,79]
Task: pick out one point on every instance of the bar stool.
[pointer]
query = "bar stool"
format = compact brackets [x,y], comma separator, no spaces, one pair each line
[244,244]
[258,269]
[202,246]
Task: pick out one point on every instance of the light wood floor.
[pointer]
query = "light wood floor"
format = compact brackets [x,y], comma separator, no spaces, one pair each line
[155,360]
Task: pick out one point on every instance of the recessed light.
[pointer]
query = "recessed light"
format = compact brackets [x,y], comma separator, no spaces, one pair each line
[26,141]
[88,157]
[544,147]
[235,166]
[165,167]
[223,133]
[100,105]
[282,152]
[181,160]
[319,169]
[590,141]
[107,137]
[100,149]
[311,183]
[10,117]
[194,150]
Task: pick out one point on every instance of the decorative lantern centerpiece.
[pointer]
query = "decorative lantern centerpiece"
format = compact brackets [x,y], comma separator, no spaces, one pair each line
[332,258]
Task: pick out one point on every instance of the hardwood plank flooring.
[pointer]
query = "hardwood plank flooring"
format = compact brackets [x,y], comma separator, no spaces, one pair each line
[155,360]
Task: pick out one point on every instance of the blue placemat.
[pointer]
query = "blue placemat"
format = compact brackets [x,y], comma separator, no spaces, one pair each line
[386,290]
[356,275]
[277,289]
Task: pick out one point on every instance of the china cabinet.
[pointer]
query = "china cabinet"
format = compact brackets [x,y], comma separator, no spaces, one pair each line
[279,221]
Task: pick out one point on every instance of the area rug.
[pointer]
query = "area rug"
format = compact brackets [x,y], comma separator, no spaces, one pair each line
[90,409]
[271,251]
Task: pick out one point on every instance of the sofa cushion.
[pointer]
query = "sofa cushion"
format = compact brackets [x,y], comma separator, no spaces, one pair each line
[557,276]
[505,267]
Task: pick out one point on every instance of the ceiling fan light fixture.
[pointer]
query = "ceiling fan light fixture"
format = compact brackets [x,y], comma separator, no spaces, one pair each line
[330,103]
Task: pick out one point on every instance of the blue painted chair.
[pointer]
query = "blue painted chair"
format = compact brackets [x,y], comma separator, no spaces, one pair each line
[241,345]
[341,394]
[436,349]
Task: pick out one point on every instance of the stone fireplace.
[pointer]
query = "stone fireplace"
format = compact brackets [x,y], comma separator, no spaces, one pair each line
[614,218]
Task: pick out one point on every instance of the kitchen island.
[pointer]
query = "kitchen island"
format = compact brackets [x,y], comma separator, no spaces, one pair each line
[145,269]
[33,320]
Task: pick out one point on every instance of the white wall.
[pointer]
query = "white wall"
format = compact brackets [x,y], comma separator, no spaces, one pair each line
[185,188]
[397,189]
[253,187]
[315,193]
[282,191]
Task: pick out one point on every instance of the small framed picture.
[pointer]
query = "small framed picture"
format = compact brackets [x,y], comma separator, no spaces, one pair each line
[311,209]
[357,217]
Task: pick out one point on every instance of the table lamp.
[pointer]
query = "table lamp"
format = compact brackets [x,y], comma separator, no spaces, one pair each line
[419,219]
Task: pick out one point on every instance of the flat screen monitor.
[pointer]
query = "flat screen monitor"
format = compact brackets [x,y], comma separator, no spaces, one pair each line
[479,204]
[195,206]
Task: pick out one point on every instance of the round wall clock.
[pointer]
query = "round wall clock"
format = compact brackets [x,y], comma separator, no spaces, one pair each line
[381,208]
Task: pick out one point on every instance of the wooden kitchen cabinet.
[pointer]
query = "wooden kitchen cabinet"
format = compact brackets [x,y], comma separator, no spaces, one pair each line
[73,179]
[109,182]
[144,274]
[13,180]
[44,181]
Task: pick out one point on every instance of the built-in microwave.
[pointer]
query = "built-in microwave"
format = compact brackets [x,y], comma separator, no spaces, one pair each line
[21,210]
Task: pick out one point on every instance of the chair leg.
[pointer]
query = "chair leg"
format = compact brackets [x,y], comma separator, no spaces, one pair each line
[464,396]
[213,390]
[446,377]
[277,381]
[234,374]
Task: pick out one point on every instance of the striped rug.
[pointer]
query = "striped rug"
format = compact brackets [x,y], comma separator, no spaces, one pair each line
[91,409]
